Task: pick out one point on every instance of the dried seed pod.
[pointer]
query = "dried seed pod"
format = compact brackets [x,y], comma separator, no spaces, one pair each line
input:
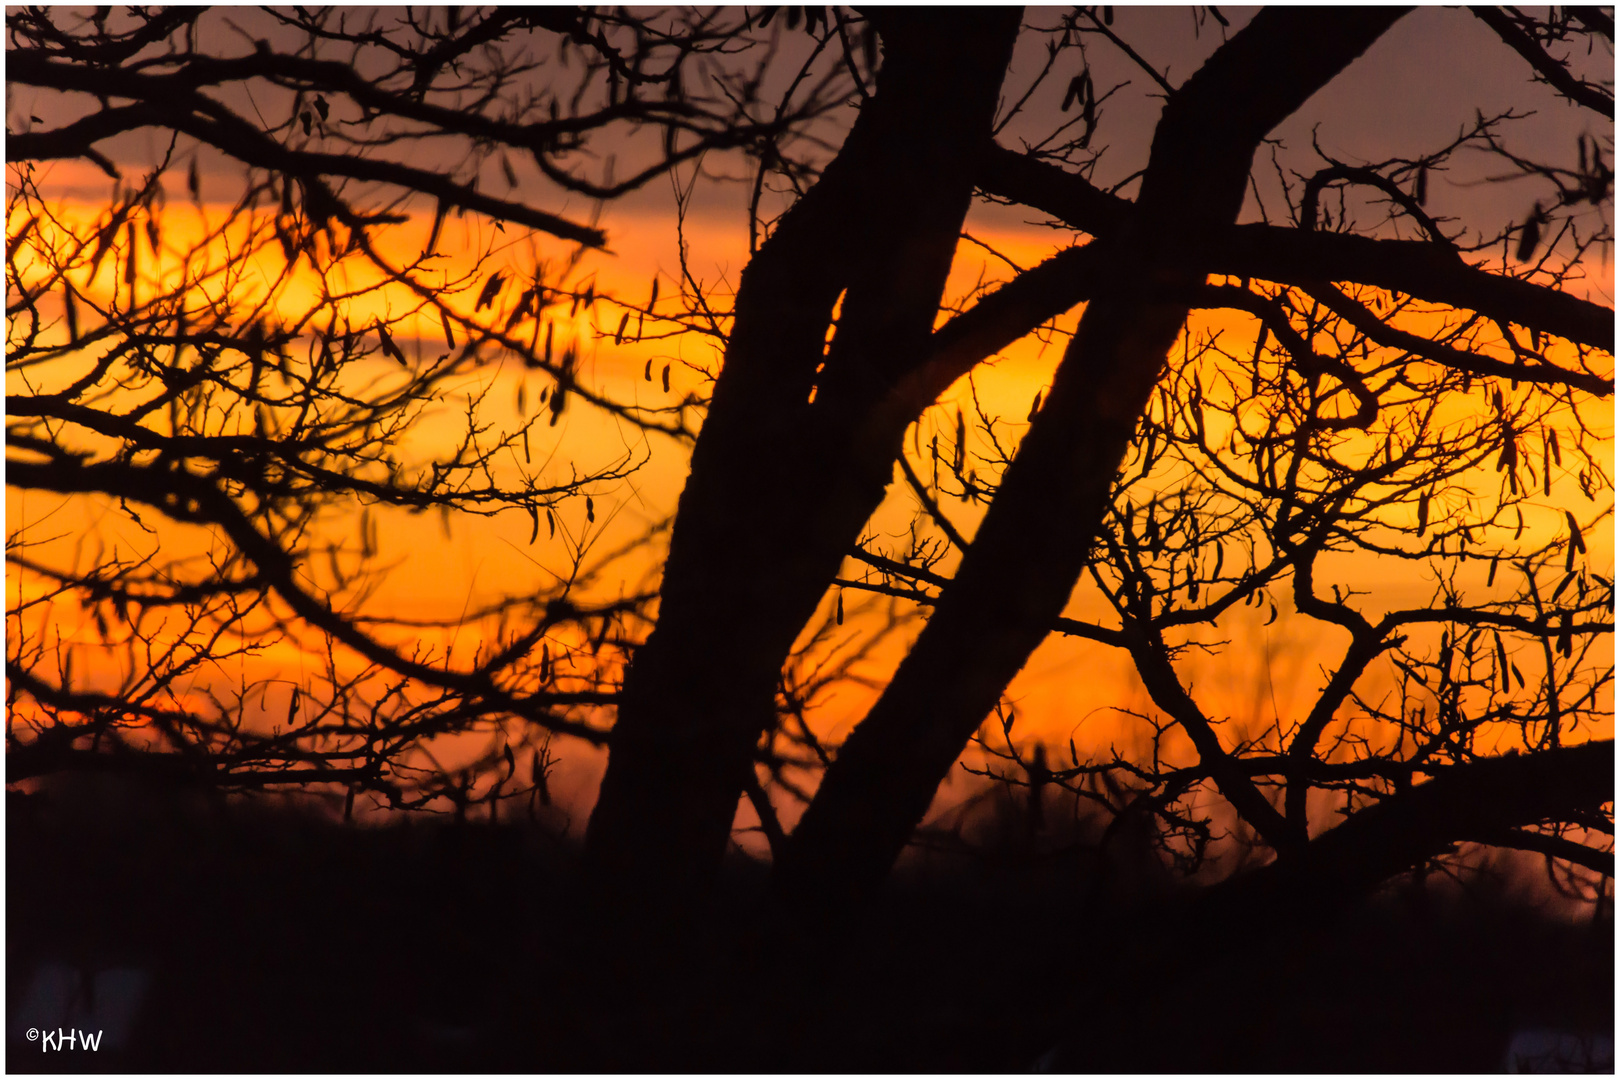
[1575,536]
[492,288]
[388,345]
[1530,235]
[130,265]
[1072,95]
[1562,585]
[433,233]
[70,310]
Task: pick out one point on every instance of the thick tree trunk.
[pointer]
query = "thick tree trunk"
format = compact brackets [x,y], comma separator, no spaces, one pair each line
[1481,800]
[780,484]
[1018,573]
[1207,938]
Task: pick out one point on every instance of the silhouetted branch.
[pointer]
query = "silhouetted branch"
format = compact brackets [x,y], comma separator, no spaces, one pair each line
[1583,93]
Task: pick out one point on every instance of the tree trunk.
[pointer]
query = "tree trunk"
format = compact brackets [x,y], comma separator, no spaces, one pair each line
[1021,567]
[1207,938]
[781,484]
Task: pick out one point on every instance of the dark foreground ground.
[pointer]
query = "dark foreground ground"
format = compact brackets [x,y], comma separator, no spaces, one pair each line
[273,942]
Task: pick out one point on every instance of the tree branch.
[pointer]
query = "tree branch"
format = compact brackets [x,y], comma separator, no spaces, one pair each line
[1291,256]
[1554,847]
[1479,799]
[170,492]
[209,122]
[1028,552]
[1577,90]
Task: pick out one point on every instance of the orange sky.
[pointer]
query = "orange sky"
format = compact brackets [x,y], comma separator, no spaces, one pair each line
[1070,689]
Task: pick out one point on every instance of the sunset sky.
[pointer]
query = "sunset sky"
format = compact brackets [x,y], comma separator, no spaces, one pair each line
[1413,91]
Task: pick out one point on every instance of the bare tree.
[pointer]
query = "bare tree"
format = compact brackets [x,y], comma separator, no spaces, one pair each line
[268,414]
[816,438]
[1416,389]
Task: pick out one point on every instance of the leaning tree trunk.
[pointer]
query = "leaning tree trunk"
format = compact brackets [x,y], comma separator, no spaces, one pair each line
[785,472]
[1018,573]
